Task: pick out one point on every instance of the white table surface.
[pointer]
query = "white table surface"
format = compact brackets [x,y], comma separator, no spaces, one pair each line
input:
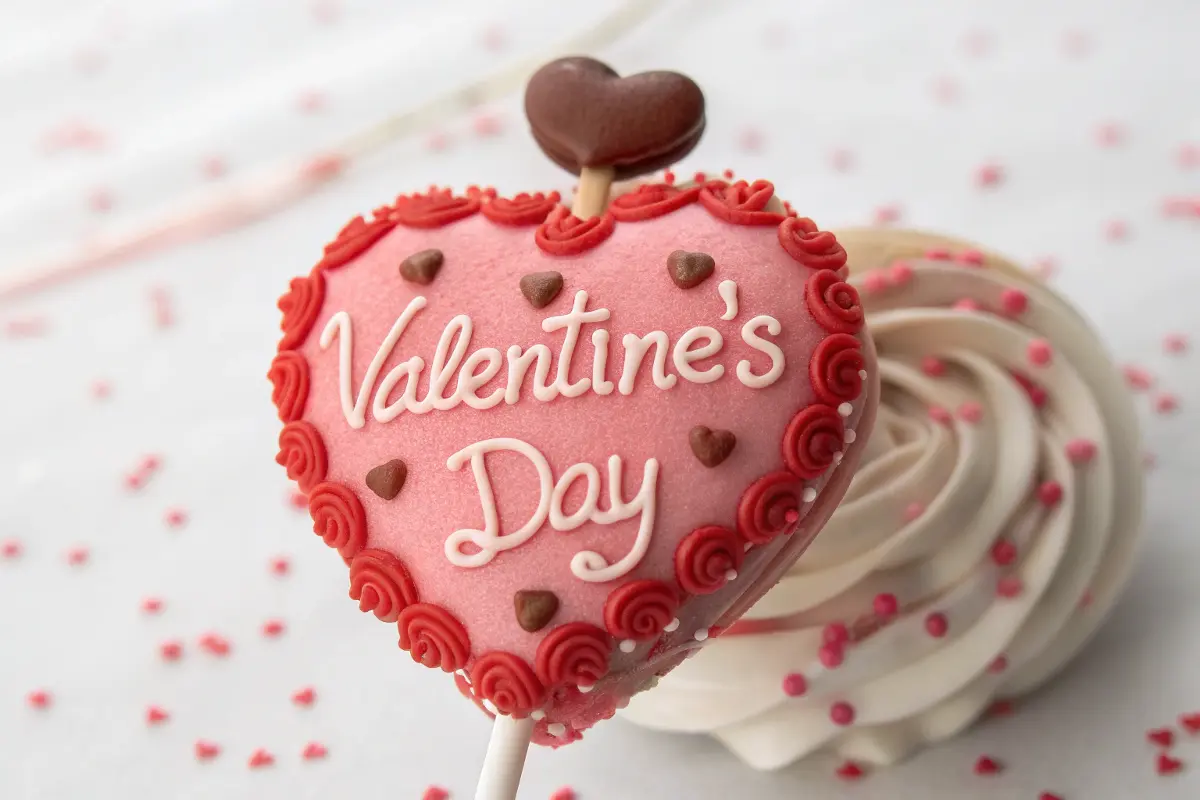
[161,89]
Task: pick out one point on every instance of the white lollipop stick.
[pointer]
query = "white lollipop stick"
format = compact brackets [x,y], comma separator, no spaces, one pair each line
[592,197]
[505,758]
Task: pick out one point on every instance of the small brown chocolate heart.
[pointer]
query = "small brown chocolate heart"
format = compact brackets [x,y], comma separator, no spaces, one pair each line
[540,288]
[711,447]
[583,114]
[535,608]
[388,479]
[422,267]
[689,269]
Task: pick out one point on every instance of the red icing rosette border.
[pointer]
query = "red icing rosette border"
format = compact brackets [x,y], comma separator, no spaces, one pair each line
[338,518]
[835,369]
[300,306]
[521,210]
[640,609]
[833,303]
[564,234]
[811,246]
[812,440]
[651,200]
[289,384]
[434,208]
[380,583]
[574,653]
[508,683]
[770,507]
[355,238]
[741,203]
[302,454]
[434,637]
[704,556]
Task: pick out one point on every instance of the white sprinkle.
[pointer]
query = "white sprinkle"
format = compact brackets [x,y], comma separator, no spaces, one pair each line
[809,494]
[556,729]
[538,714]
[628,646]
[850,436]
[862,373]
[729,293]
[491,708]
[731,574]
[845,409]
[701,634]
[585,688]
[837,458]
[672,625]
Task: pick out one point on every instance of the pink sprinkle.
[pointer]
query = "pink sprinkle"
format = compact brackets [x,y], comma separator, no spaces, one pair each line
[214,167]
[1110,134]
[25,328]
[1050,493]
[987,765]
[162,304]
[750,140]
[967,304]
[939,254]
[971,258]
[435,793]
[314,750]
[10,548]
[989,175]
[850,771]
[936,625]
[325,11]
[493,38]
[1009,586]
[1014,302]
[40,699]
[170,651]
[886,604]
[150,462]
[100,201]
[945,91]
[842,713]
[913,510]
[1116,230]
[1037,395]
[1188,156]
[323,167]
[214,644]
[1190,721]
[887,215]
[175,518]
[999,664]
[794,685]
[901,272]
[841,160]
[933,367]
[940,415]
[1076,44]
[437,142]
[305,696]
[272,627]
[280,565]
[977,43]
[875,282]
[311,101]
[487,125]
[971,412]
[77,556]
[668,177]
[152,605]
[260,758]
[134,481]
[298,501]
[156,715]
[1004,552]
[1040,352]
[1001,708]
[791,515]
[1175,343]
[1081,451]
[1166,403]
[1137,378]
[1045,267]
[101,389]
[206,751]
[831,655]
[835,633]
[1177,206]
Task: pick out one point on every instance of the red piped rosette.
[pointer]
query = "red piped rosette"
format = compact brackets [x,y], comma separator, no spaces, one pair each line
[741,203]
[289,384]
[355,238]
[835,367]
[640,609]
[833,303]
[434,208]
[433,637]
[521,210]
[812,247]
[574,653]
[812,439]
[380,583]
[508,683]
[302,454]
[564,234]
[704,556]
[651,200]
[300,307]
[770,507]
[338,518]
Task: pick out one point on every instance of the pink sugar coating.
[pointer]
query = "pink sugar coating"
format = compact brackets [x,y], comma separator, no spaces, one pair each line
[627,275]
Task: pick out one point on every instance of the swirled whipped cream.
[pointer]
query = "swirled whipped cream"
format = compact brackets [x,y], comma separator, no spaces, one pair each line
[989,530]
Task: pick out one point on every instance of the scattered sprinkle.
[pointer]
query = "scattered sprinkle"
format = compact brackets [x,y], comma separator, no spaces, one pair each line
[1116,230]
[206,751]
[280,565]
[886,604]
[215,644]
[914,509]
[1081,451]
[1163,737]
[435,793]
[272,628]
[989,175]
[1050,493]
[39,699]
[1137,378]
[314,750]
[1166,403]
[156,715]
[1010,586]
[1001,708]
[842,713]
[1040,353]
[999,664]
[170,651]
[940,415]
[1014,302]
[986,765]
[77,556]
[887,214]
[10,548]
[304,697]
[152,605]
[487,125]
[1190,721]
[750,140]
[835,633]
[260,758]
[841,160]
[831,655]
[936,625]
[175,518]
[966,304]
[1110,134]
[794,685]
[933,367]
[849,771]
[1175,343]
[971,412]
[565,793]
[1168,765]
[1004,552]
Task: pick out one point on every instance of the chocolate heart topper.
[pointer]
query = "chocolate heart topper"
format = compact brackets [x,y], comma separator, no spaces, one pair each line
[583,114]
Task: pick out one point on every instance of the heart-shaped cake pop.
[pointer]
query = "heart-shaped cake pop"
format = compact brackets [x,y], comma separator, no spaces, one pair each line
[540,486]
[583,114]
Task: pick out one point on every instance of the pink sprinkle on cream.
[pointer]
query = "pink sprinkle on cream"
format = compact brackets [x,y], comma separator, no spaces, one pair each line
[1009,586]
[875,282]
[831,655]
[1014,302]
[1081,451]
[1050,493]
[971,258]
[936,625]
[913,510]
[901,272]
[971,412]
[794,685]
[966,304]
[842,713]
[1040,353]
[933,367]
[1175,343]
[886,604]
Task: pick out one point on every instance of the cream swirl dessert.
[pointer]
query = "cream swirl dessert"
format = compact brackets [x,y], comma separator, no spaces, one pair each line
[989,530]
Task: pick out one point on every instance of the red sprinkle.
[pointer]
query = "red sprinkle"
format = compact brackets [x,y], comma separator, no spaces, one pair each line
[989,175]
[156,715]
[1137,378]
[1116,230]
[999,664]
[1014,302]
[280,565]
[10,548]
[486,125]
[1166,403]
[886,215]
[1004,552]
[966,304]
[1040,352]
[304,697]
[1167,765]
[39,699]
[901,272]
[936,625]
[170,651]
[933,367]
[1110,134]
[886,604]
[215,644]
[986,765]
[971,411]
[794,685]
[1163,737]
[435,793]
[1081,451]
[1190,721]
[1050,493]
[152,605]
[1049,796]
[913,510]
[1001,708]
[835,633]
[206,751]
[175,518]
[940,415]
[101,389]
[1175,343]
[565,793]
[875,282]
[972,258]
[849,771]
[272,627]
[831,655]
[261,758]
[1010,586]
[314,750]
[77,556]
[842,713]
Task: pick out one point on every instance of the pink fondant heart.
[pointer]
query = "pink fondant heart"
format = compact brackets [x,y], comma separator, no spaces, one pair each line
[550,451]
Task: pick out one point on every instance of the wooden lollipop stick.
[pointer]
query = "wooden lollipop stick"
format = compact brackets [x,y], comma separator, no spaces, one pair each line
[505,759]
[592,197]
